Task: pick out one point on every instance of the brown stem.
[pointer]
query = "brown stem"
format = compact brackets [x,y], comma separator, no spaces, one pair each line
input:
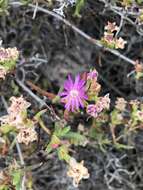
[51,96]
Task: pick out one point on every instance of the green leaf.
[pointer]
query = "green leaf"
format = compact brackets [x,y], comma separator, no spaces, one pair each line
[76,138]
[103,142]
[8,65]
[16,179]
[61,132]
[39,114]
[48,148]
[25,2]
[3,5]
[15,88]
[139,1]
[63,153]
[79,5]
[54,141]
[115,118]
[4,187]
[123,146]
[7,129]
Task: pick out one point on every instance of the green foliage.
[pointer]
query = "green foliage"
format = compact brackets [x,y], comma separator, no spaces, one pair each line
[3,6]
[39,114]
[79,5]
[134,116]
[8,65]
[139,1]
[25,2]
[60,140]
[54,141]
[4,187]
[5,129]
[61,132]
[63,153]
[101,140]
[16,179]
[111,45]
[15,88]
[115,117]
[123,146]
[76,138]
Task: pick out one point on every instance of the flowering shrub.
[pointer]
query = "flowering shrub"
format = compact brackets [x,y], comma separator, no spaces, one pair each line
[74,96]
[8,58]
[80,112]
[110,40]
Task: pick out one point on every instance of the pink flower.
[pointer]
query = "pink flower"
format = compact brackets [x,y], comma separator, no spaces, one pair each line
[111,26]
[55,146]
[92,110]
[7,54]
[108,37]
[103,103]
[92,75]
[120,43]
[74,94]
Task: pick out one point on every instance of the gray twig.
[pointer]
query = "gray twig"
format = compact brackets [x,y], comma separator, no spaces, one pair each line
[80,32]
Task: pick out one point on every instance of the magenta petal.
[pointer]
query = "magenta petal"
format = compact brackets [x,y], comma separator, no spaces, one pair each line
[67,106]
[77,104]
[77,79]
[85,97]
[81,84]
[70,80]
[81,103]
[72,104]
[73,101]
[67,85]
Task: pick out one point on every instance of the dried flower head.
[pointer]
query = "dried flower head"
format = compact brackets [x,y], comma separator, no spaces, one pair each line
[4,178]
[95,88]
[92,110]
[111,26]
[27,135]
[18,104]
[8,54]
[13,120]
[103,103]
[134,102]
[15,112]
[77,171]
[120,43]
[1,176]
[138,66]
[93,75]
[3,72]
[74,95]
[109,39]
[120,104]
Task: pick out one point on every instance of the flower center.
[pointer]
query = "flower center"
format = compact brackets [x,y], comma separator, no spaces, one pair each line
[73,93]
